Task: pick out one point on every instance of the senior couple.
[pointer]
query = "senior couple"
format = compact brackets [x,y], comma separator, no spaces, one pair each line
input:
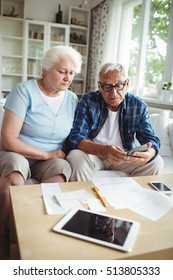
[48,135]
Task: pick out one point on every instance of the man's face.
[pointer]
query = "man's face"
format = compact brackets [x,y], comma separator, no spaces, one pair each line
[113,96]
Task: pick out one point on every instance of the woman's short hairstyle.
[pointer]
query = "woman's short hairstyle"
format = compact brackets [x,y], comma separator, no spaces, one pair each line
[55,54]
[109,66]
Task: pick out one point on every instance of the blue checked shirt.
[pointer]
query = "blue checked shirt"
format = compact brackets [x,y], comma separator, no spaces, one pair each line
[134,121]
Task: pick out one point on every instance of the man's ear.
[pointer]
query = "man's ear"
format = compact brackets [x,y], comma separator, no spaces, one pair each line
[127,83]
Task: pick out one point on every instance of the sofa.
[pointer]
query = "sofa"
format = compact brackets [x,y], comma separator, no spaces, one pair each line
[162,122]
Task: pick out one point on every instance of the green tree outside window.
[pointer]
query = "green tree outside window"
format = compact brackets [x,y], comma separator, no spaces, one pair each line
[157,42]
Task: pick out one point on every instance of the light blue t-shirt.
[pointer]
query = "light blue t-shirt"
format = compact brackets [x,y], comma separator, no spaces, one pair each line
[41,127]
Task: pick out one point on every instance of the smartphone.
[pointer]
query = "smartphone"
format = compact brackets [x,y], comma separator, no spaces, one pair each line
[159,186]
[141,148]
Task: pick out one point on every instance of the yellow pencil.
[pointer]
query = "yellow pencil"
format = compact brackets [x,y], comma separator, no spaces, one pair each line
[99,196]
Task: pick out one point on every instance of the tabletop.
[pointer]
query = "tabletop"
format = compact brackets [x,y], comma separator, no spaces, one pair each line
[36,239]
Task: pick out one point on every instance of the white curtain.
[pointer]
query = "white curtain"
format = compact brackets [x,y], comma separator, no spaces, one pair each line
[111,40]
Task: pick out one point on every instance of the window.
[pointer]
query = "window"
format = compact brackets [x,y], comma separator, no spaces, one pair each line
[155,25]
[145,44]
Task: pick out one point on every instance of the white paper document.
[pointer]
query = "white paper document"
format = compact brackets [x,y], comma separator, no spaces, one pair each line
[125,192]
[68,201]
[96,205]
[58,202]
[49,190]
[83,195]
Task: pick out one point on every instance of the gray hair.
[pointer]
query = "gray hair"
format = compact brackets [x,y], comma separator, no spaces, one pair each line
[109,66]
[55,54]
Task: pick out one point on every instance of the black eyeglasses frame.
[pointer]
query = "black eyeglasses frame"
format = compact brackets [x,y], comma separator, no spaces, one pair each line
[112,86]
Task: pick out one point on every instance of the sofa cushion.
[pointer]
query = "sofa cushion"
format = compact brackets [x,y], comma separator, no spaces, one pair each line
[109,174]
[31,181]
[160,124]
[168,165]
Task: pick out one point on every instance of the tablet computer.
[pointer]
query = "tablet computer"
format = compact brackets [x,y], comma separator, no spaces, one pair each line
[107,230]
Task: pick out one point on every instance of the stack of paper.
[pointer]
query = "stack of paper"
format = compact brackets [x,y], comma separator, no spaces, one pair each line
[125,192]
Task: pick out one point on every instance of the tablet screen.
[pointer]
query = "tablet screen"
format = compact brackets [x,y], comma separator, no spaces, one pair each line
[99,227]
[104,229]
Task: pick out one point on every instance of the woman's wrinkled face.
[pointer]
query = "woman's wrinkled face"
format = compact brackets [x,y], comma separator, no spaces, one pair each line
[112,86]
[61,75]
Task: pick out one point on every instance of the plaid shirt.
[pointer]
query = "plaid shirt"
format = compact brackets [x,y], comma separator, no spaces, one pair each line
[134,121]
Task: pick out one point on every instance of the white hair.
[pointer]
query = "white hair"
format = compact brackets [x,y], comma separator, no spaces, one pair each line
[109,66]
[55,54]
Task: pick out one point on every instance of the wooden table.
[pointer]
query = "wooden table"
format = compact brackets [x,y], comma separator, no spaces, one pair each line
[36,240]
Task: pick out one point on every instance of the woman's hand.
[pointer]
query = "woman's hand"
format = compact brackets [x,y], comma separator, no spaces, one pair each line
[56,154]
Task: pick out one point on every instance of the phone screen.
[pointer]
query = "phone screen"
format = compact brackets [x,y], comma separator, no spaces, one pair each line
[161,186]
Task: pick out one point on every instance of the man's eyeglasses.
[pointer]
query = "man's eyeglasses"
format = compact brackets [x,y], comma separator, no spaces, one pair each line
[109,87]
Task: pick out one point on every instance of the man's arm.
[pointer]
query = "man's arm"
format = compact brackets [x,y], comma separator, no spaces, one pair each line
[111,153]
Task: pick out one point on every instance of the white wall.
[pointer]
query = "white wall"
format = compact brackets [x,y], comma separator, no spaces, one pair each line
[46,9]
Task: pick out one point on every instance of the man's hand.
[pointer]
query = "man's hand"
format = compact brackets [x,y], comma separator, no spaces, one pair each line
[114,154]
[143,157]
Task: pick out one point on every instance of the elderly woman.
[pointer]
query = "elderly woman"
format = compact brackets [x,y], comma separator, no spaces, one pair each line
[37,120]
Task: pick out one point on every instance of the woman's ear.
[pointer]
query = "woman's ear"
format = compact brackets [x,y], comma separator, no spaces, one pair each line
[44,73]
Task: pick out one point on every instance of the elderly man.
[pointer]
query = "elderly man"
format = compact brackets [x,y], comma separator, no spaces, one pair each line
[107,123]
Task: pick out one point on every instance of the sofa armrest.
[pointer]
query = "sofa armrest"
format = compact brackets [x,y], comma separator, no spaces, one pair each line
[170,132]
